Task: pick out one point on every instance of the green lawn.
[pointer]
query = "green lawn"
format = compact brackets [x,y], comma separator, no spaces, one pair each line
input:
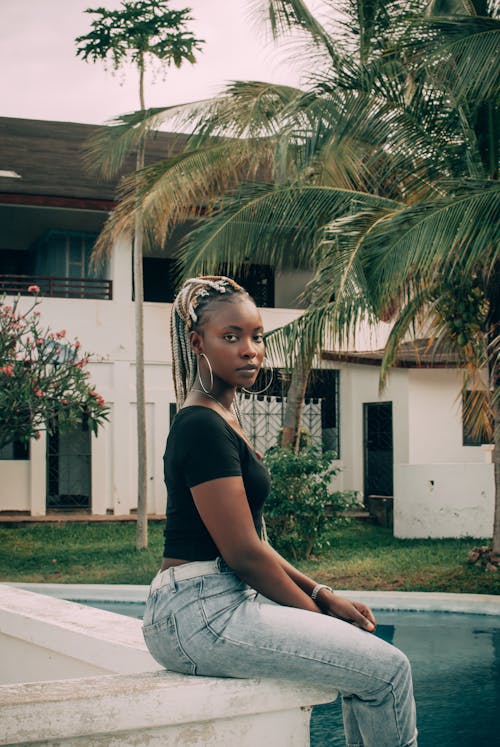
[361,556]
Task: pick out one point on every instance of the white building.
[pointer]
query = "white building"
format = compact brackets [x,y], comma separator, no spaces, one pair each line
[408,442]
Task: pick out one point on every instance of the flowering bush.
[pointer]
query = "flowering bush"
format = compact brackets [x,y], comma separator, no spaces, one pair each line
[302,506]
[43,377]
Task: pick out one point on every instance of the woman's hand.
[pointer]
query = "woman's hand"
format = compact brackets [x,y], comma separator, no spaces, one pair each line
[356,613]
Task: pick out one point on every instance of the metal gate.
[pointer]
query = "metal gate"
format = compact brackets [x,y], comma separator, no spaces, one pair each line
[263,415]
[69,470]
[378,449]
[262,420]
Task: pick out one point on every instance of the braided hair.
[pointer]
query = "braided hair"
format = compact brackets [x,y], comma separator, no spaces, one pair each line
[187,312]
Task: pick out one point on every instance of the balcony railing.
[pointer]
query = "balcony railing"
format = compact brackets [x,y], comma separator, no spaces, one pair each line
[57,287]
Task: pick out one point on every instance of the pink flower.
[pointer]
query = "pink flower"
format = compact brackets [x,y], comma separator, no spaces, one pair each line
[33,289]
[8,370]
[38,392]
[37,436]
[100,401]
[77,344]
[60,334]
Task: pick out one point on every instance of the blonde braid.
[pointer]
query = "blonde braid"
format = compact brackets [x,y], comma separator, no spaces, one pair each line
[194,295]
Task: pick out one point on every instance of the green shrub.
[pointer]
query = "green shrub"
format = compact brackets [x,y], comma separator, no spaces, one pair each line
[302,506]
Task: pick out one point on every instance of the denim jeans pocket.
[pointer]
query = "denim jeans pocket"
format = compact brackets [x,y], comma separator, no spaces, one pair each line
[162,640]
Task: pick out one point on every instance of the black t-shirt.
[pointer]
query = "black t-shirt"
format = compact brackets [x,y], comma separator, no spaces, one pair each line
[202,446]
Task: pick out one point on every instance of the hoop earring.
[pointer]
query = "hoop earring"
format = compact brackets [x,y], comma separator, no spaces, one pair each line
[207,391]
[261,391]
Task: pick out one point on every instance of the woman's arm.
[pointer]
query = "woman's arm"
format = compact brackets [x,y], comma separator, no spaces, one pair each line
[223,507]
[331,604]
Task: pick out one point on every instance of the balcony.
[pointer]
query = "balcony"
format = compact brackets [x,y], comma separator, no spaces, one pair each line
[57,287]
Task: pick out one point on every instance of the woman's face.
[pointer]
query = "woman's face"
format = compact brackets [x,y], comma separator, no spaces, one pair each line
[231,336]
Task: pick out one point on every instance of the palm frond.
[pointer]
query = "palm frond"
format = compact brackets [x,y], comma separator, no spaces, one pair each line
[455,233]
[106,151]
[463,52]
[271,225]
[177,189]
[284,16]
[407,321]
[244,109]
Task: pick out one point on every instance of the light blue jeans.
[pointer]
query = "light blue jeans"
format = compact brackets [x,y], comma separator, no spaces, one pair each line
[201,619]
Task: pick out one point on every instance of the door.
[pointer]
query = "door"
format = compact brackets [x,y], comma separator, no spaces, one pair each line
[378,449]
[69,470]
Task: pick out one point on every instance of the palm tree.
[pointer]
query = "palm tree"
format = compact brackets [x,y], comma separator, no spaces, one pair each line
[273,151]
[140,31]
[381,175]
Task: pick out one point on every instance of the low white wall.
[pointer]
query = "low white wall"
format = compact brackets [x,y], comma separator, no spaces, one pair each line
[15,493]
[443,500]
[145,706]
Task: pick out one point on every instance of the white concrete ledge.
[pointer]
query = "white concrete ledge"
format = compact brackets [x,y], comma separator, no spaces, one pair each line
[161,708]
[140,707]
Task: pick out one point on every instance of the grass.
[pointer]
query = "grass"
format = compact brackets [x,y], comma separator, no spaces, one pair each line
[360,556]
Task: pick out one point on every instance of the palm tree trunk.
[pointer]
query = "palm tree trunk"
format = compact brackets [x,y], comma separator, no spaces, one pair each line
[295,402]
[496,462]
[141,536]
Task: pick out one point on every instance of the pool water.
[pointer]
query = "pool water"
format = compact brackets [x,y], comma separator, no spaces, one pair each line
[456,673]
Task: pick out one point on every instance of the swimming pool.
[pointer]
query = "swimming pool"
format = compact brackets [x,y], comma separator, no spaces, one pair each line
[456,671]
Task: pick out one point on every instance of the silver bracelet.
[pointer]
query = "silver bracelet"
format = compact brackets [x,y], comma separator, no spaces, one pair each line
[317,589]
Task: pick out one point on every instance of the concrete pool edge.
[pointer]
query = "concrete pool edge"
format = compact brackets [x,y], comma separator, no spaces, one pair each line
[478,604]
[72,674]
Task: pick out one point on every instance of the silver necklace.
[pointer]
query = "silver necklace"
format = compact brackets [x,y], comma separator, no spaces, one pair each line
[206,394]
[235,413]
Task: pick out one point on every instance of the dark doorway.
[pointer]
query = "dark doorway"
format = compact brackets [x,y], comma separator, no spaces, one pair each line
[69,470]
[378,449]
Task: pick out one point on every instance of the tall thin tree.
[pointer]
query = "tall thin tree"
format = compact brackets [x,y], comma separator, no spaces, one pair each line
[140,31]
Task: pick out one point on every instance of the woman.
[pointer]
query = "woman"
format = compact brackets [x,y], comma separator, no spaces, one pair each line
[224,602]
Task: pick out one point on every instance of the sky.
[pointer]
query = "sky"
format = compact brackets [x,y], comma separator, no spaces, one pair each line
[42,78]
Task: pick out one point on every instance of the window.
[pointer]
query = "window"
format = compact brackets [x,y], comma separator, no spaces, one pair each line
[64,254]
[15,450]
[258,280]
[62,269]
[159,279]
[471,436]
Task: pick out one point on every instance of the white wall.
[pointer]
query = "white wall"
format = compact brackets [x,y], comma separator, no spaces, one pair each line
[444,500]
[15,485]
[288,286]
[435,418]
